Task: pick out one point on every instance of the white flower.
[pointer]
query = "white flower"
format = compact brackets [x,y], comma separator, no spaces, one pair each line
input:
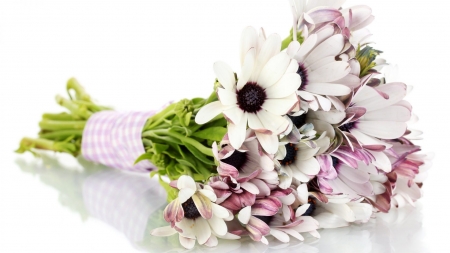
[323,77]
[340,211]
[195,216]
[264,93]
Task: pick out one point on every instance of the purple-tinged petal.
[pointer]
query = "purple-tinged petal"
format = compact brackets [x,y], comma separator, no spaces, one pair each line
[203,205]
[237,201]
[324,15]
[266,207]
[259,225]
[324,186]
[174,211]
[226,170]
[320,196]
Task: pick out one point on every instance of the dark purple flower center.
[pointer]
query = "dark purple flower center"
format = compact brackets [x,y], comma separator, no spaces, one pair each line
[311,208]
[336,161]
[237,159]
[298,121]
[291,154]
[265,219]
[347,127]
[190,210]
[251,97]
[302,72]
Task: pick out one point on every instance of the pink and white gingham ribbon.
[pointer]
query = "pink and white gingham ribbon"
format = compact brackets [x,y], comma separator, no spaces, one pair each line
[114,139]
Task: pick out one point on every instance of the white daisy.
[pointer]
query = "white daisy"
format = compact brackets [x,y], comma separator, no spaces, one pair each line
[323,77]
[195,216]
[264,92]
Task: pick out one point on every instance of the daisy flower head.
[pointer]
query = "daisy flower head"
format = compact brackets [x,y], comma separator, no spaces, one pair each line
[323,76]
[195,216]
[262,95]
[295,158]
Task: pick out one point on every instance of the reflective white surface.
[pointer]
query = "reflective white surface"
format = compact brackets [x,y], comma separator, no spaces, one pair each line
[137,55]
[132,204]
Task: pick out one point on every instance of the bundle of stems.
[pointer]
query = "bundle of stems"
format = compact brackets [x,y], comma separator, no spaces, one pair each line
[171,138]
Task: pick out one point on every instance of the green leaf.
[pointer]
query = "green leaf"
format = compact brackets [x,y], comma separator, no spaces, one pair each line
[145,156]
[187,118]
[213,133]
[160,148]
[199,155]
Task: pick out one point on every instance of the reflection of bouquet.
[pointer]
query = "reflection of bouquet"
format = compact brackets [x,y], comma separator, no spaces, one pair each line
[310,134]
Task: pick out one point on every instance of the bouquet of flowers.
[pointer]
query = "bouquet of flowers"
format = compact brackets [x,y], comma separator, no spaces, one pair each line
[310,134]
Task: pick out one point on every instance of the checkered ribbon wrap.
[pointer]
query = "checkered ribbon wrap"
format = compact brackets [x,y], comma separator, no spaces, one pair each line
[114,139]
[123,200]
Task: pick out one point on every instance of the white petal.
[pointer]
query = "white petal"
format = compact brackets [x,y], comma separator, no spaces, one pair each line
[236,133]
[332,117]
[210,195]
[250,187]
[254,122]
[381,161]
[390,113]
[306,47]
[188,243]
[225,75]
[324,103]
[208,112]
[294,234]
[329,89]
[370,99]
[163,231]
[292,49]
[268,141]
[301,210]
[330,47]
[281,236]
[271,121]
[185,194]
[273,70]
[219,211]
[186,182]
[309,167]
[330,72]
[227,97]
[247,68]
[218,225]
[382,129]
[280,106]
[245,214]
[302,192]
[212,241]
[341,210]
[202,230]
[287,85]
[270,48]
[329,220]
[249,39]
[235,114]
[367,140]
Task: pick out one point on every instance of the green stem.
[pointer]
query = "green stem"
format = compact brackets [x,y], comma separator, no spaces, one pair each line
[196,144]
[26,144]
[285,43]
[73,107]
[59,116]
[80,93]
[160,117]
[55,125]
[61,135]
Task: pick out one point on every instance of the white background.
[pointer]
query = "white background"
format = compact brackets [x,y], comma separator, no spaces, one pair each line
[140,54]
